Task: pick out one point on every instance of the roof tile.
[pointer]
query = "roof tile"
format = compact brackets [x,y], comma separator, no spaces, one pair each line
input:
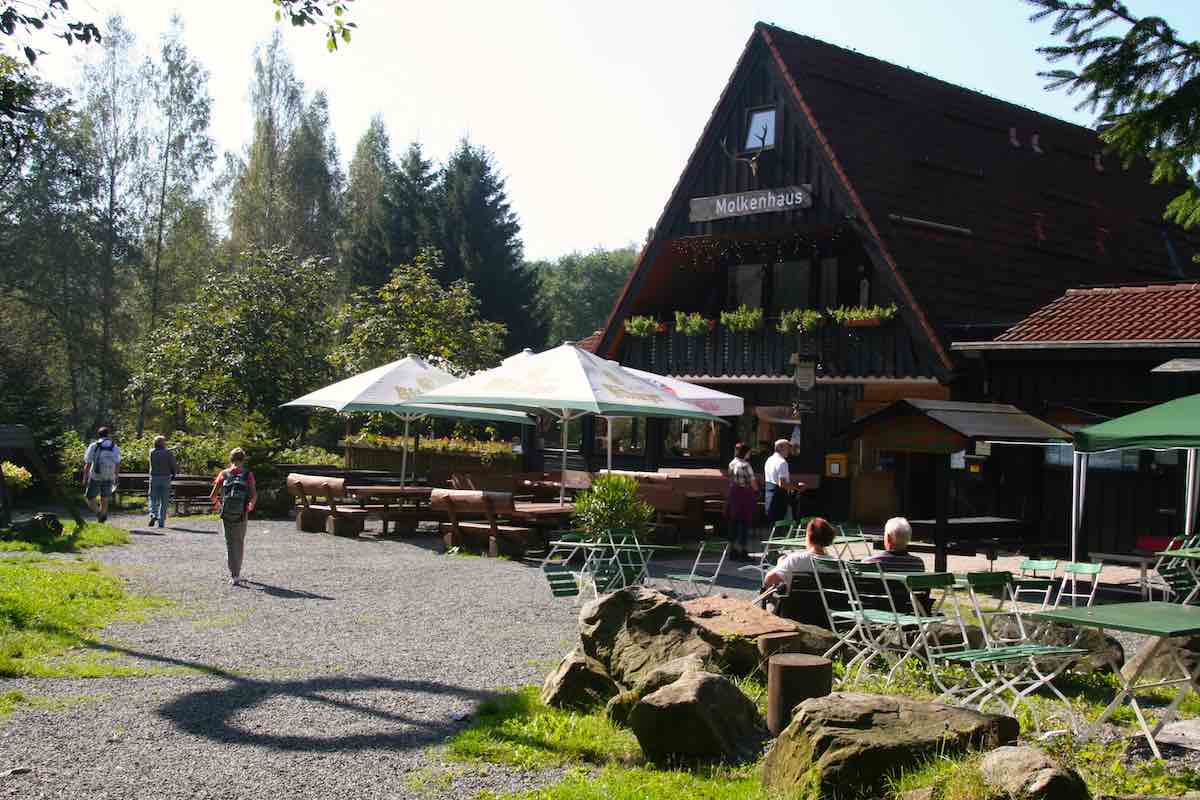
[1158,312]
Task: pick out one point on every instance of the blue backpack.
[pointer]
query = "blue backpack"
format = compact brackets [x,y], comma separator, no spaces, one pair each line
[235,495]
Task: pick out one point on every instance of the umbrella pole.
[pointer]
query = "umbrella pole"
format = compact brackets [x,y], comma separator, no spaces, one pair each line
[562,476]
[608,443]
[1189,522]
[404,452]
[1074,502]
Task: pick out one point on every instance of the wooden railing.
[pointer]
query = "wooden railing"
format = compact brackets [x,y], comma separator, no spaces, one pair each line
[885,351]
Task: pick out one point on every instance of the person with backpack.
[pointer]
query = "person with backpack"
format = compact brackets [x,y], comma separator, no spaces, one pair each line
[100,463]
[162,472]
[234,495]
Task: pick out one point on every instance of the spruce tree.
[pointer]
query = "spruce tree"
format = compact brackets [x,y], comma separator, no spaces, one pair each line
[480,242]
[363,247]
[1143,79]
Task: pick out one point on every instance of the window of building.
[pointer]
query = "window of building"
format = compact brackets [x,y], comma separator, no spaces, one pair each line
[1114,460]
[790,281]
[691,438]
[746,285]
[628,435]
[760,129]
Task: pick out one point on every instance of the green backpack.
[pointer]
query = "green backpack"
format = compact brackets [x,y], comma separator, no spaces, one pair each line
[235,495]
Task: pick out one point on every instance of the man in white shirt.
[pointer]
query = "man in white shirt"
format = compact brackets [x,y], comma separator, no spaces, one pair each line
[779,482]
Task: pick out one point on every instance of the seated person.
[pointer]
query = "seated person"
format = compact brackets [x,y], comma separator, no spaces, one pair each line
[819,535]
[897,533]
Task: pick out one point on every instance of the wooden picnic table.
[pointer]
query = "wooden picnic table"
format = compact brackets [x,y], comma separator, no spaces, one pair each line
[1161,621]
[400,504]
[188,493]
[541,511]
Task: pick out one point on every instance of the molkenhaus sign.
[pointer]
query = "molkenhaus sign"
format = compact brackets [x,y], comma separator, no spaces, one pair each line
[742,204]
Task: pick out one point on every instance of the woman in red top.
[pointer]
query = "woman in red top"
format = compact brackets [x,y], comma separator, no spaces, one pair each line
[234,495]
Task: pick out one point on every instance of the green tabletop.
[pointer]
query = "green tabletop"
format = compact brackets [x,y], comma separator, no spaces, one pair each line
[608,546]
[1150,618]
[786,542]
[1190,553]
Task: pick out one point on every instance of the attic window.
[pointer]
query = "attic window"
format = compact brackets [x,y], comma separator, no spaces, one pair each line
[760,129]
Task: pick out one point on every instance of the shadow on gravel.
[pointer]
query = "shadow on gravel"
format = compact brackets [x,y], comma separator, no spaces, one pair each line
[284,593]
[177,529]
[209,712]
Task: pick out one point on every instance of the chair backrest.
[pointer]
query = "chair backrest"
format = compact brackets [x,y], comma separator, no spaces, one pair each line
[562,581]
[833,586]
[303,487]
[1072,572]
[1001,621]
[712,566]
[872,590]
[950,636]
[1032,566]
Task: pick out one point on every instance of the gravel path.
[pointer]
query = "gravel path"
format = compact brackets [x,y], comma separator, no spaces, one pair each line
[336,673]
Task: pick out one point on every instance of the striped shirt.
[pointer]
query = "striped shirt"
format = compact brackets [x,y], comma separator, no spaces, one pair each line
[896,561]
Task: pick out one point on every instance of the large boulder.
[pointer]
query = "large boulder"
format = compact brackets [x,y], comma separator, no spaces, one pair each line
[579,682]
[635,630]
[1030,774]
[700,717]
[1161,664]
[619,707]
[847,743]
[739,624]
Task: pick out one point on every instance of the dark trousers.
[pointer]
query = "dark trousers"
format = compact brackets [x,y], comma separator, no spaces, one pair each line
[777,503]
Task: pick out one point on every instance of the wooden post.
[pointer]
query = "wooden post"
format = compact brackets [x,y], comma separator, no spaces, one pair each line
[793,678]
[941,526]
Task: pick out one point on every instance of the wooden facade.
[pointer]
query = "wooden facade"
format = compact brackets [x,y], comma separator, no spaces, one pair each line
[964,211]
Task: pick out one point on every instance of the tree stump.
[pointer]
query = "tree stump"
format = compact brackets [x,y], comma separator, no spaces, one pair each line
[310,520]
[771,643]
[344,526]
[793,678]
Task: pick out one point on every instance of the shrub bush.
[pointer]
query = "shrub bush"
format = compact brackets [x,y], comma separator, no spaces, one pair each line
[612,502]
[16,478]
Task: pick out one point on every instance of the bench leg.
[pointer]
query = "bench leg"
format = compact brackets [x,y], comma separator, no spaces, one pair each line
[344,526]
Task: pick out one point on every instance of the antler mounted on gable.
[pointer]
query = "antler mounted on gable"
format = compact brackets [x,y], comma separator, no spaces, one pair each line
[751,160]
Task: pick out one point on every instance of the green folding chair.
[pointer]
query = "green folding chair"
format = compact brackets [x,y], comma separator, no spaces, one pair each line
[1171,576]
[1040,588]
[704,573]
[563,581]
[1072,571]
[770,548]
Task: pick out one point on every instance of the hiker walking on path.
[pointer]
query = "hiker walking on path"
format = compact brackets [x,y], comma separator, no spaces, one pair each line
[162,471]
[235,494]
[100,463]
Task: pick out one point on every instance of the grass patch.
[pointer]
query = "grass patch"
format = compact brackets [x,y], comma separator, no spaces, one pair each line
[12,701]
[950,779]
[1104,768]
[644,783]
[518,729]
[49,609]
[73,540]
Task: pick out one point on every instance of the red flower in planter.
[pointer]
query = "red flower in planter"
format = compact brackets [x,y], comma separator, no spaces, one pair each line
[660,327]
[712,323]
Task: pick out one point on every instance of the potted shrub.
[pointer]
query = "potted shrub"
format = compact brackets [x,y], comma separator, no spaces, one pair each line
[16,478]
[692,324]
[612,503]
[642,327]
[800,320]
[862,316]
[742,319]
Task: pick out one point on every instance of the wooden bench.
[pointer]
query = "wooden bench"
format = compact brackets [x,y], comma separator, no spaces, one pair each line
[489,536]
[334,515]
[670,506]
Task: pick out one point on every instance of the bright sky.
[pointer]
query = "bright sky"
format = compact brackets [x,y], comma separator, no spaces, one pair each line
[591,109]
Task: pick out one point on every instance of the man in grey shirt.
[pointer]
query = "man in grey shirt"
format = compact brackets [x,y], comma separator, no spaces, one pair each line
[162,472]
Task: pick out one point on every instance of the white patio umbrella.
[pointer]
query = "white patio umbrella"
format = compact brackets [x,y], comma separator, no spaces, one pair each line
[567,383]
[390,388]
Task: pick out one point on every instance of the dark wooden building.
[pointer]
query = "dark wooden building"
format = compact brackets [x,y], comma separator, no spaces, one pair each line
[1091,355]
[826,178]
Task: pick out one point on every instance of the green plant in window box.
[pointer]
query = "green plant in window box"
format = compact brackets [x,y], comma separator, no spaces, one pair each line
[16,477]
[742,319]
[800,320]
[862,315]
[641,327]
[692,324]
[611,503]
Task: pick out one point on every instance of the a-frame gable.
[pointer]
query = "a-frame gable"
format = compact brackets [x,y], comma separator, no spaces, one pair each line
[801,156]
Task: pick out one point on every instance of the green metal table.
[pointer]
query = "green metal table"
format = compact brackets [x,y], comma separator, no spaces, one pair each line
[1190,556]
[1163,622]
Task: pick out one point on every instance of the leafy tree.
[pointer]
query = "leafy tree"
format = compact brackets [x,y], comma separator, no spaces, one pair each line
[577,291]
[1145,84]
[258,197]
[481,243]
[412,314]
[116,93]
[36,404]
[181,152]
[250,341]
[312,12]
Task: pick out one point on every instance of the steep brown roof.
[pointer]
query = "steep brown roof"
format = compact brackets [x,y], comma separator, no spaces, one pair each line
[1156,313]
[590,343]
[1015,223]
